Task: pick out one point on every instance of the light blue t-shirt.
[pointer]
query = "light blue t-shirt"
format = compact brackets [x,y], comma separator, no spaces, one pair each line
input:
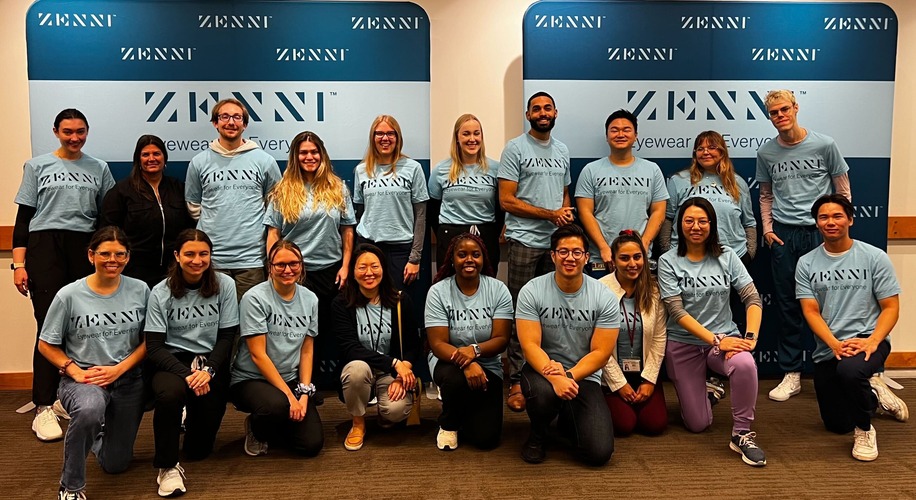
[286,324]
[66,194]
[317,232]
[388,199]
[93,329]
[568,320]
[800,174]
[472,199]
[231,193]
[704,288]
[470,319]
[542,172]
[732,216]
[847,289]
[622,196]
[373,328]
[630,324]
[191,323]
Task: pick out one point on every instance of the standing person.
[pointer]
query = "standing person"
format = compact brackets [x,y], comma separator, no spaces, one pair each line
[636,402]
[311,207]
[534,191]
[793,170]
[93,335]
[711,175]
[695,281]
[851,300]
[150,207]
[468,320]
[225,188]
[59,200]
[379,344]
[389,191]
[191,322]
[272,375]
[619,191]
[463,192]
[567,323]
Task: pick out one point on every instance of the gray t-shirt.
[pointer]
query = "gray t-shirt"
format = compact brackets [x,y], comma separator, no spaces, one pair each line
[389,199]
[568,320]
[847,289]
[191,323]
[471,199]
[94,329]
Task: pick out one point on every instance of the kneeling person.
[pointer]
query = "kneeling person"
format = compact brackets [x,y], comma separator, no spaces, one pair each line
[567,325]
[850,298]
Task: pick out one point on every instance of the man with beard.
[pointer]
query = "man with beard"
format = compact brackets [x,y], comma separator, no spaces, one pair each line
[225,189]
[534,191]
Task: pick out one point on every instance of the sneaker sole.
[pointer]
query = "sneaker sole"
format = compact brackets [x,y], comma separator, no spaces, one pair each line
[744,457]
[781,399]
[46,439]
[349,447]
[177,492]
[864,458]
[900,411]
[446,447]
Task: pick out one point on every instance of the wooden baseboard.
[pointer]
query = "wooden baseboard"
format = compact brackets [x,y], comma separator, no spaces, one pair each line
[901,360]
[15,381]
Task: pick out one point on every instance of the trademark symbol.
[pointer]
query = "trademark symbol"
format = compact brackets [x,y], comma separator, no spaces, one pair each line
[332,93]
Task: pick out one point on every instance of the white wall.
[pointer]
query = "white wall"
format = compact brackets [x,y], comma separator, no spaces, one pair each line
[476,68]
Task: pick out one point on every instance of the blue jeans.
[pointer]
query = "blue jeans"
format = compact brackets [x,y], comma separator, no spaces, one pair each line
[585,419]
[797,241]
[102,419]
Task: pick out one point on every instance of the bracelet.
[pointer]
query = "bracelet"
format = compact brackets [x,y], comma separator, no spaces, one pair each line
[63,369]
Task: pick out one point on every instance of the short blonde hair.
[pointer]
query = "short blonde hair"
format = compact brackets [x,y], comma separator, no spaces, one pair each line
[779,95]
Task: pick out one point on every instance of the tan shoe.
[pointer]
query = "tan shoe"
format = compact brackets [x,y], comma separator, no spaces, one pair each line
[516,400]
[355,437]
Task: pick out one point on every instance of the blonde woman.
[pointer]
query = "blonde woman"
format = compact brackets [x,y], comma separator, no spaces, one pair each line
[463,192]
[389,192]
[311,207]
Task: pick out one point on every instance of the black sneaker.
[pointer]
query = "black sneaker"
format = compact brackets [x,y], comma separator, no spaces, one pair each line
[533,449]
[715,390]
[743,443]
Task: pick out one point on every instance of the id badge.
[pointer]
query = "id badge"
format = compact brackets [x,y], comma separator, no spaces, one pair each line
[631,365]
[599,266]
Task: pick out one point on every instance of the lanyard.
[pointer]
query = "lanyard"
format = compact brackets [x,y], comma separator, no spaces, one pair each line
[374,341]
[631,331]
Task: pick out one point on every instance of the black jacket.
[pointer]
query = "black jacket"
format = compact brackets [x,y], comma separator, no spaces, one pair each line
[141,219]
[344,321]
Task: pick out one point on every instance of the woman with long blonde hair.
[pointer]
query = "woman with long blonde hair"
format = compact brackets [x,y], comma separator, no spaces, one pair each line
[389,192]
[463,192]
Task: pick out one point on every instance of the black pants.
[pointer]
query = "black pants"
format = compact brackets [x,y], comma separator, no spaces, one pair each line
[321,283]
[54,258]
[270,421]
[489,233]
[844,394]
[477,414]
[205,414]
[585,420]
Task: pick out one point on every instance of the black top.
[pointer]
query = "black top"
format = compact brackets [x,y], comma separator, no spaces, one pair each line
[351,349]
[141,218]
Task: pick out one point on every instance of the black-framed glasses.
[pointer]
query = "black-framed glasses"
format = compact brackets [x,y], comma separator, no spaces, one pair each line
[391,134]
[279,267]
[225,117]
[563,253]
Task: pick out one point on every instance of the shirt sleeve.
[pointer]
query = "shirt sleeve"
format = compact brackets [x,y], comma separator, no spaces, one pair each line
[418,192]
[28,188]
[658,180]
[357,186]
[436,312]
[673,198]
[271,175]
[503,308]
[584,187]
[252,316]
[527,305]
[192,187]
[509,167]
[667,277]
[228,304]
[609,309]
[803,288]
[763,170]
[836,164]
[156,314]
[108,182]
[740,277]
[884,279]
[55,326]
[435,188]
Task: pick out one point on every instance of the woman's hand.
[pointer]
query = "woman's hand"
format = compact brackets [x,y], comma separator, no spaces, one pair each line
[627,393]
[297,407]
[476,377]
[644,392]
[199,382]
[553,368]
[737,344]
[342,276]
[411,271]
[21,280]
[396,390]
[463,356]
[405,374]
[102,376]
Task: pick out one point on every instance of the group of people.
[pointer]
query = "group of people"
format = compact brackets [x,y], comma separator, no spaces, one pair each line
[219,290]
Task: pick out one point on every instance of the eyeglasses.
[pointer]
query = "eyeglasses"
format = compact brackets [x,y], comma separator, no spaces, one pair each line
[391,134]
[279,267]
[563,253]
[711,149]
[776,112]
[225,117]
[364,268]
[700,222]
[116,256]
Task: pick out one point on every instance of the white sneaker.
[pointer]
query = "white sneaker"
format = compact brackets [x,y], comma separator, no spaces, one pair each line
[253,447]
[888,401]
[446,440]
[45,425]
[866,445]
[790,386]
[60,411]
[171,481]
[63,494]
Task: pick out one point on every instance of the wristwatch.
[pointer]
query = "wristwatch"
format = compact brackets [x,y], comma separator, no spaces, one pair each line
[750,336]
[476,350]
[16,265]
[210,370]
[304,389]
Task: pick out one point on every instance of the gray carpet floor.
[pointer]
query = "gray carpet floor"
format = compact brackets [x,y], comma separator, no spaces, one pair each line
[804,461]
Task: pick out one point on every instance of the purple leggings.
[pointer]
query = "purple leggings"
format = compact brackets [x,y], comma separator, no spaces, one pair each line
[687,363]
